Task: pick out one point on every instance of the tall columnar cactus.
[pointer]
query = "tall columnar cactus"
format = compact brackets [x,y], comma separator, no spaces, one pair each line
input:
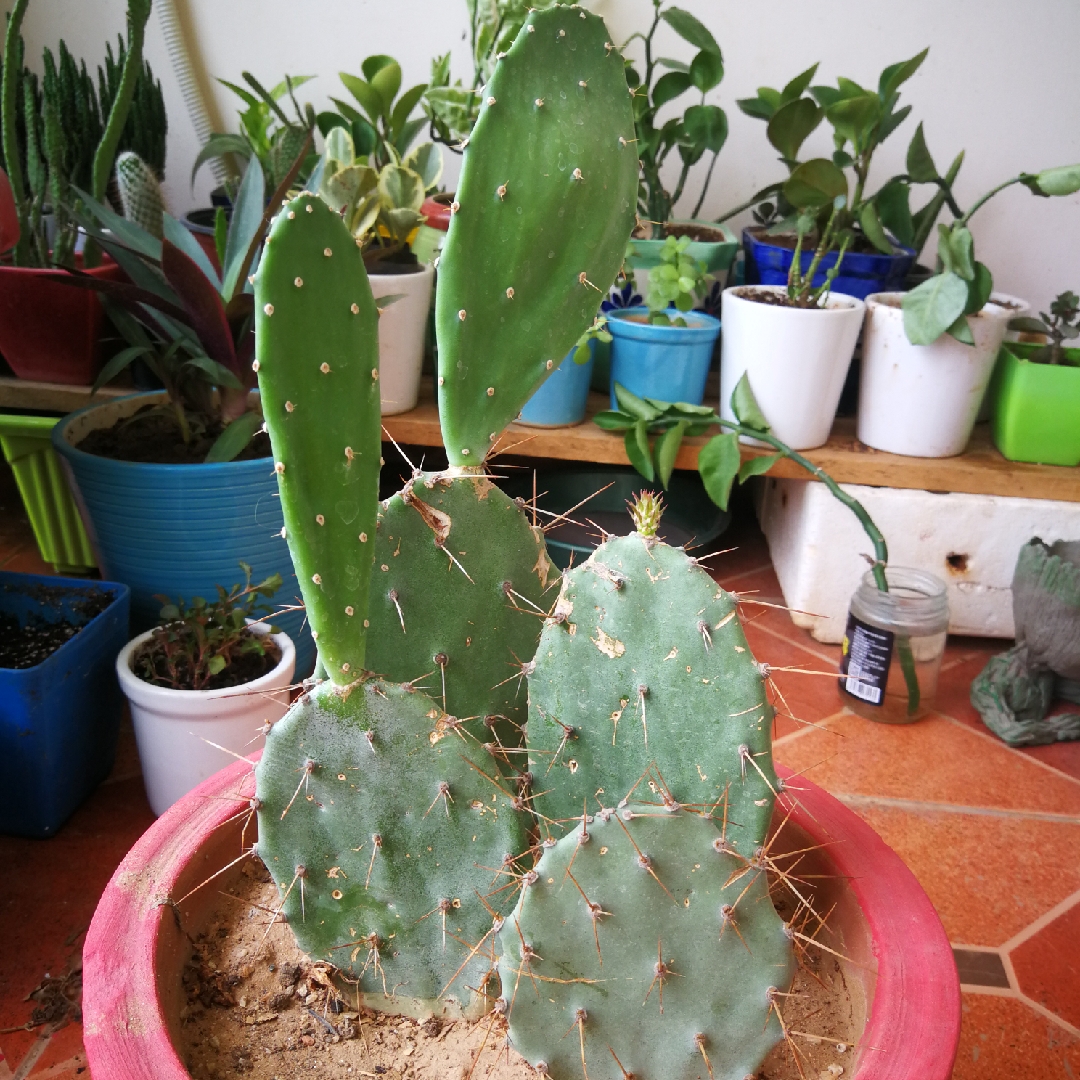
[545,206]
[644,662]
[140,193]
[385,878]
[644,947]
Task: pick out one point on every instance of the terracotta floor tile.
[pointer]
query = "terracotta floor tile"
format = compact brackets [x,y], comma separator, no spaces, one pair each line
[1047,966]
[989,877]
[934,760]
[63,1055]
[1065,757]
[1003,1039]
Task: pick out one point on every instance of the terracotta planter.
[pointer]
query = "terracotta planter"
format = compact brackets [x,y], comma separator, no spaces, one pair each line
[136,947]
[50,331]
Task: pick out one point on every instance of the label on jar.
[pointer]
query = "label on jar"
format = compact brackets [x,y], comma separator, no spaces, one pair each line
[864,663]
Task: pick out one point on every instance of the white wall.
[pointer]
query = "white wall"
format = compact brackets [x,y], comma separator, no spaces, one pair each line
[1001,81]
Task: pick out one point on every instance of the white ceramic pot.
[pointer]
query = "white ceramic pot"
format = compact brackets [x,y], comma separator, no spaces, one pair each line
[174,728]
[796,359]
[1014,308]
[401,336]
[922,400]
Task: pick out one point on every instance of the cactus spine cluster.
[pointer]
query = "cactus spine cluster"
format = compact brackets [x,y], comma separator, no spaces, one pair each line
[140,193]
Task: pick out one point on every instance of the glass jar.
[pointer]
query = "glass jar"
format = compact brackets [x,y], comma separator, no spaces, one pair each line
[893,646]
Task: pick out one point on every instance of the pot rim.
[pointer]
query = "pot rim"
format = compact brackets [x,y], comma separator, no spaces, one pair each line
[146,694]
[423,270]
[874,302]
[127,1036]
[838,303]
[759,234]
[704,322]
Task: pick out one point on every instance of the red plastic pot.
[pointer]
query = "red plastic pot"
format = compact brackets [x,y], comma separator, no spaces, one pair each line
[50,331]
[902,966]
[437,211]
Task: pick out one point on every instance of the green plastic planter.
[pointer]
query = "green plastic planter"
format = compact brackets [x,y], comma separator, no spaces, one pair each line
[58,529]
[717,256]
[1037,416]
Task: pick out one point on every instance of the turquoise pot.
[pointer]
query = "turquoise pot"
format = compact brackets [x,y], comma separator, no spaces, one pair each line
[179,530]
[669,363]
[561,400]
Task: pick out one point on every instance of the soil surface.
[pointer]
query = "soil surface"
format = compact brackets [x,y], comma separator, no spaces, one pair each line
[705,234]
[257,1007]
[775,299]
[245,668]
[27,644]
[152,436]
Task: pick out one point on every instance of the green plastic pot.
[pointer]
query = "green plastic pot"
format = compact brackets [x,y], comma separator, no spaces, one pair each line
[1037,417]
[54,517]
[716,255]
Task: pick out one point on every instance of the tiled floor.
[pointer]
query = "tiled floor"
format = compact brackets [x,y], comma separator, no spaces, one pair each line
[993,834]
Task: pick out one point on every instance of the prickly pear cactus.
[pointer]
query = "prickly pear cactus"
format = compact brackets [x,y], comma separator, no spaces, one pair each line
[545,206]
[644,947]
[460,587]
[644,662]
[387,879]
[140,192]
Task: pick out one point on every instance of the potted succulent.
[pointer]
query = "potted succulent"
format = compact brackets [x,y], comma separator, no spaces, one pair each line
[1037,407]
[204,684]
[664,348]
[60,706]
[928,354]
[382,208]
[795,344]
[46,331]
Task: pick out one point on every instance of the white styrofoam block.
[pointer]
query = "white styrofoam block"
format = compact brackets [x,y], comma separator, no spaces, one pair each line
[970,541]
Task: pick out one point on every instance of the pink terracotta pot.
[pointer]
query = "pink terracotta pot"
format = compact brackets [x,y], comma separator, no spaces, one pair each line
[902,975]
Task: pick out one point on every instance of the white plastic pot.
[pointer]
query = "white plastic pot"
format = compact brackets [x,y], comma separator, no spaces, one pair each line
[401,336]
[922,400]
[796,359]
[174,728]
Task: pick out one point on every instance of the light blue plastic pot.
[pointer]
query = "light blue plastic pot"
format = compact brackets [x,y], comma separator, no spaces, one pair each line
[669,363]
[179,530]
[561,400]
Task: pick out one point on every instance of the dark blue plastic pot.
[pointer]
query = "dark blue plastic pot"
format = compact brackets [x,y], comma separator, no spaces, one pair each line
[561,400]
[180,530]
[59,719]
[860,274]
[669,363]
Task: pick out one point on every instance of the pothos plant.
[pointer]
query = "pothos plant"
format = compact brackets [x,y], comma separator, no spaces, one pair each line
[1061,325]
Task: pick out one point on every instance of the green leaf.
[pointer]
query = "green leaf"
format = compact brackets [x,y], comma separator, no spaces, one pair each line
[854,117]
[718,466]
[369,98]
[372,65]
[636,442]
[891,122]
[707,126]
[706,70]
[169,612]
[221,232]
[894,211]
[690,29]
[427,162]
[217,145]
[745,407]
[219,374]
[932,307]
[815,184]
[346,110]
[757,107]
[177,234]
[872,229]
[669,86]
[386,82]
[895,75]
[667,449]
[235,437]
[1062,180]
[979,289]
[637,407]
[920,165]
[1025,324]
[215,664]
[244,227]
[756,466]
[611,420]
[405,105]
[791,124]
[117,364]
[797,87]
[961,331]
[956,249]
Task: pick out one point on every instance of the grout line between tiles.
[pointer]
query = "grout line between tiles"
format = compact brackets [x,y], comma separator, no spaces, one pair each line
[830,660]
[1043,1011]
[1040,923]
[991,991]
[1012,750]
[766,565]
[807,727]
[919,806]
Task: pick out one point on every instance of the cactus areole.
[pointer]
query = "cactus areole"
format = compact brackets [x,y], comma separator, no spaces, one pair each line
[544,208]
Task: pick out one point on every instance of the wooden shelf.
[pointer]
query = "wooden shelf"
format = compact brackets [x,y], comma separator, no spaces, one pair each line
[981,470]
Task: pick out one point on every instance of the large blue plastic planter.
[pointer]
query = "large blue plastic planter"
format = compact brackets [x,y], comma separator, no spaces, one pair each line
[563,396]
[860,273]
[180,530]
[669,363]
[59,719]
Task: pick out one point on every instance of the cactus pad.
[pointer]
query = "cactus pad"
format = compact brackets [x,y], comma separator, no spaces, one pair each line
[644,950]
[342,769]
[545,206]
[317,350]
[645,664]
[458,593]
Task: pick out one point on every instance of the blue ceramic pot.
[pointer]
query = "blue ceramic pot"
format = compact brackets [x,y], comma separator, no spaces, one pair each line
[179,530]
[669,363]
[860,274]
[561,400]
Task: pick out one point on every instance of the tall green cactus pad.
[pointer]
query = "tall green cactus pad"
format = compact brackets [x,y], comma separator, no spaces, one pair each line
[393,837]
[317,349]
[645,663]
[140,193]
[458,595]
[545,206]
[644,947]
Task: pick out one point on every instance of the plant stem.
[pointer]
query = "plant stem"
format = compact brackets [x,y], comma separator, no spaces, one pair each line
[705,186]
[987,197]
[765,192]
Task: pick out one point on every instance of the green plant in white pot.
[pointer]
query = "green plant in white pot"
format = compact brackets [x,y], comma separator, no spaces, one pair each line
[928,355]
